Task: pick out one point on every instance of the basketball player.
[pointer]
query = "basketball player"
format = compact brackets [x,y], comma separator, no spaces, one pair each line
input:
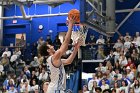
[56,64]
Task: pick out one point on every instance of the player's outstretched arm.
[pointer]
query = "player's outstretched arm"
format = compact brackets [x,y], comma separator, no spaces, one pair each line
[64,46]
[70,59]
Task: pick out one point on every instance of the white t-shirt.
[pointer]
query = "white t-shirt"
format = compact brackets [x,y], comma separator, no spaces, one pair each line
[6,52]
[127,45]
[58,78]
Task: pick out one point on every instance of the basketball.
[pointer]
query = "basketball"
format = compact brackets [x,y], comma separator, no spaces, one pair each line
[74,13]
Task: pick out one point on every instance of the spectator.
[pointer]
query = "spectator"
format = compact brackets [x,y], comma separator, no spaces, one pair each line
[85,89]
[27,72]
[131,90]
[34,86]
[40,42]
[117,71]
[123,61]
[117,85]
[90,83]
[48,40]
[100,54]
[127,43]
[124,86]
[43,75]
[136,86]
[7,52]
[33,78]
[100,40]
[104,85]
[45,86]
[35,62]
[25,87]
[104,79]
[93,87]
[117,66]
[127,36]
[98,90]
[111,58]
[57,43]
[130,74]
[5,62]
[118,44]
[16,55]
[12,89]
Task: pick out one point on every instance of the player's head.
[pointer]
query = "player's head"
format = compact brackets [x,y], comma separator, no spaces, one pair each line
[46,49]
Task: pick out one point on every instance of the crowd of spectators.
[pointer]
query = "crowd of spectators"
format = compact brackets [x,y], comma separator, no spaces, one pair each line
[120,71]
[33,76]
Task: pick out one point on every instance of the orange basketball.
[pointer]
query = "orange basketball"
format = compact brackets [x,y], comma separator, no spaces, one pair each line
[74,13]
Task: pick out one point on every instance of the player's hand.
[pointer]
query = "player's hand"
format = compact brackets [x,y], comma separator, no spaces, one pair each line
[78,43]
[72,20]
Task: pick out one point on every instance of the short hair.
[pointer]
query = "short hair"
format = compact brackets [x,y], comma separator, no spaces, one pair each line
[43,49]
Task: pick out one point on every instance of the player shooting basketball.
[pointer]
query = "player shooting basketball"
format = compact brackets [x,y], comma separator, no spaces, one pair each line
[57,76]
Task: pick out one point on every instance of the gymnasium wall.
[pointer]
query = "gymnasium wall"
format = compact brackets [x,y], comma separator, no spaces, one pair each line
[30,27]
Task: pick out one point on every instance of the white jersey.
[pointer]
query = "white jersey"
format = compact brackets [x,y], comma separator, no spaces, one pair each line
[58,78]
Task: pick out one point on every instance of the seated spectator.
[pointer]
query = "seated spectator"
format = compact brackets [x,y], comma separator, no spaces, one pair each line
[131,90]
[7,52]
[34,63]
[98,90]
[90,83]
[130,74]
[85,89]
[108,65]
[134,55]
[118,44]
[94,85]
[99,75]
[117,54]
[45,86]
[117,66]
[123,61]
[40,42]
[124,77]
[111,58]
[48,40]
[117,71]
[105,79]
[5,62]
[101,68]
[12,89]
[4,90]
[34,85]
[107,91]
[27,72]
[136,86]
[127,36]
[11,83]
[117,85]
[100,40]
[40,59]
[33,77]
[57,43]
[127,53]
[104,85]
[121,38]
[16,55]
[127,43]
[100,53]
[25,88]
[20,77]
[135,42]
[43,75]
[114,91]
[124,86]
